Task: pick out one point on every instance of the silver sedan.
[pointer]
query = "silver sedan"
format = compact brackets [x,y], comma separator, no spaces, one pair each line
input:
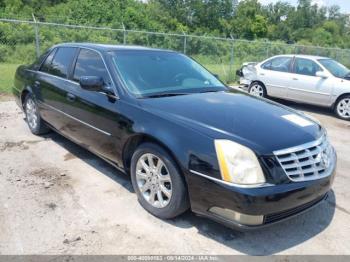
[307,79]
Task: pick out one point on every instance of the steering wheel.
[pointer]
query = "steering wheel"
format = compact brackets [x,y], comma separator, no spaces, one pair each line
[178,78]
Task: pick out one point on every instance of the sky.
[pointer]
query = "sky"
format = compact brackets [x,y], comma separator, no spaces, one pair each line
[344,4]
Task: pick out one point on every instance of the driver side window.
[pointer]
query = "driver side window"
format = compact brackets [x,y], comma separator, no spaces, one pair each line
[306,67]
[90,63]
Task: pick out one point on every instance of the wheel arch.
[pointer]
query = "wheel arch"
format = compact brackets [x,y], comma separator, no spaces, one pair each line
[135,141]
[24,94]
[259,82]
[338,98]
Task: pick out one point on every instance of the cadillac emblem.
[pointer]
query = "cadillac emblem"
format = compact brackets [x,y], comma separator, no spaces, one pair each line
[325,158]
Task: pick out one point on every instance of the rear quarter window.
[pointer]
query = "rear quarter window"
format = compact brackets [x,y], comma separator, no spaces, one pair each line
[45,67]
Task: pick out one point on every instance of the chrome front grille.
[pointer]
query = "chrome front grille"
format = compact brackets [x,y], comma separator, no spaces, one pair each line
[309,161]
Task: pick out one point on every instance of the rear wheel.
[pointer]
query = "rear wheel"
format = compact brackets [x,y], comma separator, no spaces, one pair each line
[342,108]
[257,89]
[159,186]
[34,121]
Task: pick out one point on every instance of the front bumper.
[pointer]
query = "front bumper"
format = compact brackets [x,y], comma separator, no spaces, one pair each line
[274,203]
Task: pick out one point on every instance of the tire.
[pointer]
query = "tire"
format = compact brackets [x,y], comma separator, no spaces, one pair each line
[34,121]
[164,207]
[342,108]
[257,89]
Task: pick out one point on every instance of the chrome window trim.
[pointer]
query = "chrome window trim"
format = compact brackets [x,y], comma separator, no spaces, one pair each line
[74,118]
[71,81]
[228,183]
[106,67]
[308,59]
[57,77]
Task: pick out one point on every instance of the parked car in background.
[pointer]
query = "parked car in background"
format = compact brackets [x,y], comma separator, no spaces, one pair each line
[313,80]
[186,139]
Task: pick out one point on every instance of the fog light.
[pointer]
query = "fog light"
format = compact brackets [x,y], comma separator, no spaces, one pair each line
[237,217]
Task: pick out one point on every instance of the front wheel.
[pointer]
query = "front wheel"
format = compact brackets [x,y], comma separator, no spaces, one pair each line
[342,108]
[257,89]
[159,186]
[34,121]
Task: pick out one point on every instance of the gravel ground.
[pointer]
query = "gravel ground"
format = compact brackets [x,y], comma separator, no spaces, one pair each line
[56,198]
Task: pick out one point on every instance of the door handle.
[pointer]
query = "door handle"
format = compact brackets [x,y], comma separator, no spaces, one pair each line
[294,78]
[36,83]
[262,74]
[71,97]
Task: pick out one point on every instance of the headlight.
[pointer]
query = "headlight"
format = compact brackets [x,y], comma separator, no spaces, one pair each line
[238,164]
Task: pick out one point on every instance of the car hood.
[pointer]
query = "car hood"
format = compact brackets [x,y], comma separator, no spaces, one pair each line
[237,116]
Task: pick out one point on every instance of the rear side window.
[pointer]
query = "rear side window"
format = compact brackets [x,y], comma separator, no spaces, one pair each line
[280,64]
[306,67]
[37,64]
[61,61]
[47,63]
[90,63]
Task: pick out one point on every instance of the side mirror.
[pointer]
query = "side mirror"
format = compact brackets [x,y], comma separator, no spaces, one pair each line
[216,76]
[91,83]
[321,74]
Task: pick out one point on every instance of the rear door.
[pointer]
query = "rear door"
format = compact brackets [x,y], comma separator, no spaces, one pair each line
[305,86]
[275,74]
[51,83]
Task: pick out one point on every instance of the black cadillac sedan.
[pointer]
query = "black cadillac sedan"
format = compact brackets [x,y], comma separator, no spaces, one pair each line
[186,139]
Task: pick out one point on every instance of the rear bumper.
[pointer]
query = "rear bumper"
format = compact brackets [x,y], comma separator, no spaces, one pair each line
[17,95]
[273,203]
[244,83]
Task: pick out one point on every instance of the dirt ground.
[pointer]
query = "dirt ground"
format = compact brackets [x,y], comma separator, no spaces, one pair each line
[56,198]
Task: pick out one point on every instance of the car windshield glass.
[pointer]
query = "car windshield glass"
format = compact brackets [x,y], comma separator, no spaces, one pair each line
[337,69]
[156,73]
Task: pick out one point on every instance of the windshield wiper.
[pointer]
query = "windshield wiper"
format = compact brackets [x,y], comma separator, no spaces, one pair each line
[211,91]
[347,76]
[165,95]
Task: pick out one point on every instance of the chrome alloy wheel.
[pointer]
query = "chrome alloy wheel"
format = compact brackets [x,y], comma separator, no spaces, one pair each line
[343,108]
[153,180]
[257,90]
[31,113]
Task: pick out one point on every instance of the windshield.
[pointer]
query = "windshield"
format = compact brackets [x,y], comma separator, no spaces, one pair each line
[151,73]
[336,69]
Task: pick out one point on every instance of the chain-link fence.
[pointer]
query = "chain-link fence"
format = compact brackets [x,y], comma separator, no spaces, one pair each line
[21,41]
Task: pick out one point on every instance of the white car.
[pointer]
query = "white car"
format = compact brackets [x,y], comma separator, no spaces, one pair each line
[307,79]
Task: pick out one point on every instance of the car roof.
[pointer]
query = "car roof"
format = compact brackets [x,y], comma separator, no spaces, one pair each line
[109,47]
[313,57]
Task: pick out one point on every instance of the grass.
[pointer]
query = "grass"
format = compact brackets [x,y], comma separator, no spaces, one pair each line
[7,74]
[225,72]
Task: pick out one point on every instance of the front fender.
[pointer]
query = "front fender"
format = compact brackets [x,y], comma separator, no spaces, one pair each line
[192,150]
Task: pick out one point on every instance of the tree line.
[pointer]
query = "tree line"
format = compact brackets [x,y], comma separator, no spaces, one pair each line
[306,23]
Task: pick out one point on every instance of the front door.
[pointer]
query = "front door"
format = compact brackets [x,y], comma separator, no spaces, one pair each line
[94,116]
[306,87]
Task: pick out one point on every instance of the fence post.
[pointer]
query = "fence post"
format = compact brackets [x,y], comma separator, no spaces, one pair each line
[37,40]
[185,41]
[267,51]
[124,34]
[232,59]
